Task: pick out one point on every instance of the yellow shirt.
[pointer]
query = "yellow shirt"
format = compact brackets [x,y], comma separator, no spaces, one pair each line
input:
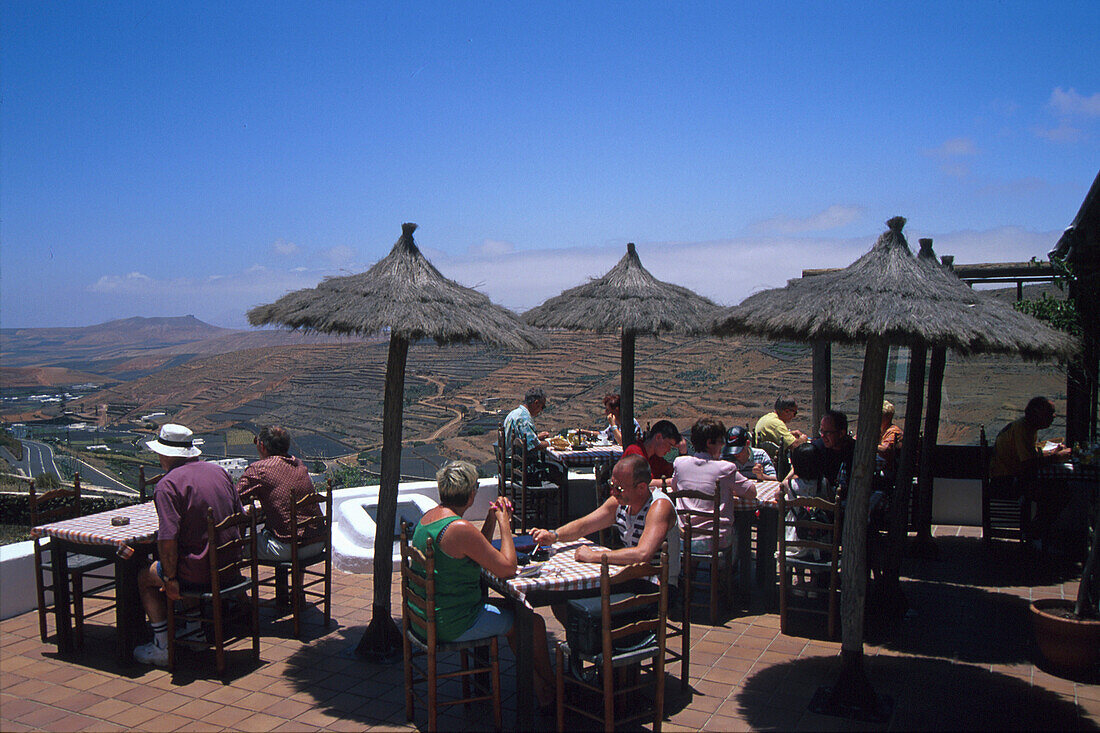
[1014,447]
[770,427]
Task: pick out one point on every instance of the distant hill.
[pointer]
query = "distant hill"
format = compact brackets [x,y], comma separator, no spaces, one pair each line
[130,348]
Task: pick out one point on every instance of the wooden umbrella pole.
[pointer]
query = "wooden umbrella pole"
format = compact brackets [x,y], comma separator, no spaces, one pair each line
[822,383]
[382,640]
[626,387]
[852,695]
[925,546]
[898,521]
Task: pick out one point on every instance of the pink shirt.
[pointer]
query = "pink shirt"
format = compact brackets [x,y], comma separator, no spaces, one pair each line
[701,472]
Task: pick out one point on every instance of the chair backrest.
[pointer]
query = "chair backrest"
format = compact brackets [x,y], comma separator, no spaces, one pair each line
[502,464]
[603,493]
[817,528]
[144,482]
[418,587]
[658,597]
[308,525]
[772,449]
[56,504]
[711,514]
[231,552]
[521,457]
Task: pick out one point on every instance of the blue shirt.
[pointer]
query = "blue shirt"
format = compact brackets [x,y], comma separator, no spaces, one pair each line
[519,422]
[756,455]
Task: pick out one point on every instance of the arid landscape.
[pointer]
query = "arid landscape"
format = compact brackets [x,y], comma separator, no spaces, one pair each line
[331,390]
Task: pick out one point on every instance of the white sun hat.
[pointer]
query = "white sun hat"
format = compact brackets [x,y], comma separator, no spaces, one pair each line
[175,441]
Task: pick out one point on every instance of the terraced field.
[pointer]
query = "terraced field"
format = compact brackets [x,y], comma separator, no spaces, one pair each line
[334,391]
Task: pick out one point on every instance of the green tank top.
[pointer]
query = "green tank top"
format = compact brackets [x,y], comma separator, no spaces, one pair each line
[457,583]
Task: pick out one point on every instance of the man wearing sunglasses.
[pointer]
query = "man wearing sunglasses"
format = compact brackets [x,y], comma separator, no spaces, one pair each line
[644,516]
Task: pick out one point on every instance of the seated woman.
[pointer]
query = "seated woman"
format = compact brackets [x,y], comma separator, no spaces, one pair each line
[613,432]
[461,551]
[702,472]
[889,444]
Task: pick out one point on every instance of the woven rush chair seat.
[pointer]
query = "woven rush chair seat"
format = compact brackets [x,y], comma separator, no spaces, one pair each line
[231,600]
[420,639]
[52,506]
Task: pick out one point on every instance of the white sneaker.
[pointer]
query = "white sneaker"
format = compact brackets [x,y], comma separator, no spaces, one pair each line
[151,654]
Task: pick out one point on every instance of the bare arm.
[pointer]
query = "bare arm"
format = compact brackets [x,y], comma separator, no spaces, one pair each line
[602,517]
[169,560]
[657,523]
[462,539]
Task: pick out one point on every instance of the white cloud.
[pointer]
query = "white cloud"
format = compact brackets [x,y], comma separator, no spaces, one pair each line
[956,147]
[285,248]
[120,283]
[727,271]
[1069,102]
[491,248]
[1063,133]
[833,217]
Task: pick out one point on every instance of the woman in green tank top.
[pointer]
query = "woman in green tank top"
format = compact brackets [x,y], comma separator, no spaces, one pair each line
[461,551]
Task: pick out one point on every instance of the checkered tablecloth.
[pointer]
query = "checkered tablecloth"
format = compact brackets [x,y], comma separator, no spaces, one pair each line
[767,494]
[96,529]
[560,573]
[589,457]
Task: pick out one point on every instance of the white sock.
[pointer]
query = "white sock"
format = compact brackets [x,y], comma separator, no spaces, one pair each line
[160,634]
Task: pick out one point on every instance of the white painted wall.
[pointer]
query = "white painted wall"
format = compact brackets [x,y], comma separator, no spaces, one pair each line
[17,589]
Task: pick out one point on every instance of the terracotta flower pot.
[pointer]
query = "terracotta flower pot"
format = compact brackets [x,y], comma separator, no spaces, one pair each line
[1070,644]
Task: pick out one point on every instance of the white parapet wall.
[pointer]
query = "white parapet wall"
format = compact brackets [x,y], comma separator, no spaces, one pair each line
[352,536]
[17,589]
[354,509]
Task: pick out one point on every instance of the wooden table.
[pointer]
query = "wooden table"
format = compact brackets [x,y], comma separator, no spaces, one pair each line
[95,535]
[559,579]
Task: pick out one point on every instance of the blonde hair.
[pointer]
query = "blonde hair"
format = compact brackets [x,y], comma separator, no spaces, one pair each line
[888,409]
[457,482]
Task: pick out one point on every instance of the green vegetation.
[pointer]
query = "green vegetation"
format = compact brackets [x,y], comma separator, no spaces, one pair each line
[14,446]
[695,376]
[474,429]
[1055,312]
[46,481]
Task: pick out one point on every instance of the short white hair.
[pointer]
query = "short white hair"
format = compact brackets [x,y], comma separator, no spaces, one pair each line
[457,482]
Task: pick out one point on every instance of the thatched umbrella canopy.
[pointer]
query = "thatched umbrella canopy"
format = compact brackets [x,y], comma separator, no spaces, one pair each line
[628,299]
[404,295]
[885,297]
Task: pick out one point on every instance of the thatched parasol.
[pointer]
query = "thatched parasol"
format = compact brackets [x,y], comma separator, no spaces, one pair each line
[627,299]
[885,297]
[402,294]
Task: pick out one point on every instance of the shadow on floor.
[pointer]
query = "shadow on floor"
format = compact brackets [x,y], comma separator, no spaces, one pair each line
[997,564]
[928,694]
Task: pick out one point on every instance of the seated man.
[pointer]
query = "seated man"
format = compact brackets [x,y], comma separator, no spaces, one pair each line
[644,517]
[751,462]
[521,422]
[773,426]
[835,447]
[889,446]
[189,487]
[661,440]
[1016,458]
[277,480]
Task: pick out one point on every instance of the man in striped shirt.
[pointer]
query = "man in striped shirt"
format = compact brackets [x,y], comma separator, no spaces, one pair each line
[645,518]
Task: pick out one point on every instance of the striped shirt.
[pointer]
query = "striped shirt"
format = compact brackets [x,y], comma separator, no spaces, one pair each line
[631,526]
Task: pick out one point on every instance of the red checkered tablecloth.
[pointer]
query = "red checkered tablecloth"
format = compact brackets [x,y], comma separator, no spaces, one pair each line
[767,494]
[589,457]
[96,529]
[560,573]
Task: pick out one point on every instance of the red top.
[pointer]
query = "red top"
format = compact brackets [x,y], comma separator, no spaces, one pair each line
[182,498]
[658,466]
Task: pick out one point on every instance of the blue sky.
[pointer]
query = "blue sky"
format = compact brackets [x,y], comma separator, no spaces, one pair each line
[189,158]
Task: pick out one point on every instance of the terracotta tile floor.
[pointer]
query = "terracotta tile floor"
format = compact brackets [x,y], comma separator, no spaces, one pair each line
[961,658]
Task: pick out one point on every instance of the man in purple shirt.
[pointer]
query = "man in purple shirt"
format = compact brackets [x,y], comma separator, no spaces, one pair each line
[189,487]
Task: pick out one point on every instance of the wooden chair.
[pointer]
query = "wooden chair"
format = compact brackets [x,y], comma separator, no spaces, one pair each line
[504,470]
[818,523]
[421,639]
[300,566]
[648,655]
[531,499]
[211,607]
[718,560]
[1005,512]
[772,449]
[606,537]
[143,483]
[53,506]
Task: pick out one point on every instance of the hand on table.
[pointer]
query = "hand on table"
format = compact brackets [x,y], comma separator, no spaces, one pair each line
[544,537]
[758,471]
[589,554]
[544,435]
